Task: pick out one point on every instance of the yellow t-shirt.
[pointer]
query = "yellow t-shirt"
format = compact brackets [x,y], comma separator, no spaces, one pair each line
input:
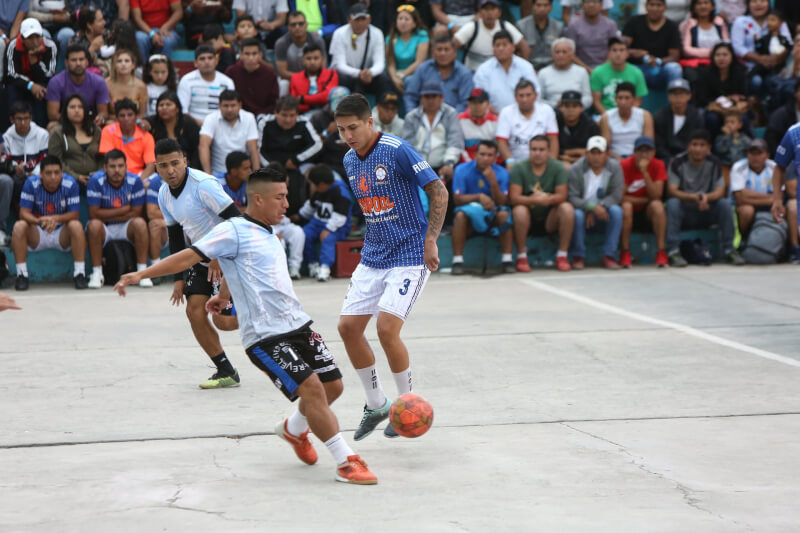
[310,8]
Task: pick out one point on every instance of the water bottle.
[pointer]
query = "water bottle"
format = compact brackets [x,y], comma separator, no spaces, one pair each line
[645,255]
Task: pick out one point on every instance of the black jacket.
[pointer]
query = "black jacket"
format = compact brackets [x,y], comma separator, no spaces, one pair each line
[301,144]
[668,143]
[780,121]
[40,73]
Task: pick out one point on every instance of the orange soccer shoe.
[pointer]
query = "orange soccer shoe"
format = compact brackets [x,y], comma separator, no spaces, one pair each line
[302,446]
[355,471]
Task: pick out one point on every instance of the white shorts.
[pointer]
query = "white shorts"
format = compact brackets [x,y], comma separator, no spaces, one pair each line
[117,232]
[392,290]
[49,241]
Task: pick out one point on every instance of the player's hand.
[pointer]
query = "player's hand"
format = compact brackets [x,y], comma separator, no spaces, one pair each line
[176,298]
[431,256]
[7,302]
[214,271]
[778,211]
[131,278]
[216,304]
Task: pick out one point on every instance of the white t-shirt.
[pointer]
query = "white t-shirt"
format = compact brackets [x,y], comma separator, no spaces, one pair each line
[591,185]
[707,38]
[677,123]
[513,127]
[200,97]
[153,92]
[226,138]
[482,48]
[743,177]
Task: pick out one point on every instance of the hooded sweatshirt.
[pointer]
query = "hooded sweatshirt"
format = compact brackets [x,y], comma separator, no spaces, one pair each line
[27,151]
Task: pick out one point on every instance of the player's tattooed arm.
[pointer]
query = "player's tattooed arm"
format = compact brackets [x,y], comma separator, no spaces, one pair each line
[437,195]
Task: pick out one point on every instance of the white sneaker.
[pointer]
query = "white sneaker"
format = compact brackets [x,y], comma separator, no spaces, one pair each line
[96,280]
[324,273]
[294,273]
[146,283]
[313,270]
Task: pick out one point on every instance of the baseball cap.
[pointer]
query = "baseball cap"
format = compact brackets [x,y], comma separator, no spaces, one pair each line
[478,95]
[758,144]
[571,97]
[389,97]
[597,142]
[336,95]
[643,140]
[493,2]
[679,84]
[431,87]
[358,10]
[30,27]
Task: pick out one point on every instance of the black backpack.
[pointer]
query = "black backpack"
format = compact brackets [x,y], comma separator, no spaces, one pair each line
[696,252]
[119,257]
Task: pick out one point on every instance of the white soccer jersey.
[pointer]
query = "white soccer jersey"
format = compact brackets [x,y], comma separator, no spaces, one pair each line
[197,207]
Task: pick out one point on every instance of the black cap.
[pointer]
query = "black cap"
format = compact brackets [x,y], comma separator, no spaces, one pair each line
[389,97]
[568,97]
[358,10]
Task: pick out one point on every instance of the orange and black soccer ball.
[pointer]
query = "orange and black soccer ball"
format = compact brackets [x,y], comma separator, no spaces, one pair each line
[411,415]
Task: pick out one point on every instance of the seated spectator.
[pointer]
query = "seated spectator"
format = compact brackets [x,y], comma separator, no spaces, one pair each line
[92,34]
[697,198]
[675,122]
[745,32]
[24,146]
[499,75]
[596,185]
[385,114]
[477,124]
[155,22]
[255,82]
[772,44]
[623,124]
[722,87]
[76,80]
[700,31]
[213,36]
[642,206]
[520,122]
[433,130]
[567,6]
[478,38]
[125,135]
[199,90]
[782,119]
[170,122]
[480,196]
[606,77]
[289,49]
[246,29]
[655,45]
[123,83]
[234,180]
[564,75]
[228,129]
[457,78]
[541,31]
[591,33]
[116,200]
[312,86]
[160,77]
[198,14]
[334,148]
[358,54]
[270,17]
[156,227]
[30,63]
[453,14]
[327,220]
[48,219]
[731,144]
[539,206]
[76,141]
[575,128]
[751,186]
[407,45]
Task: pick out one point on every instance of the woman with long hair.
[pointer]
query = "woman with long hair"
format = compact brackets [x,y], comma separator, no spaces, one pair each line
[76,140]
[407,45]
[123,83]
[700,31]
[169,122]
[722,86]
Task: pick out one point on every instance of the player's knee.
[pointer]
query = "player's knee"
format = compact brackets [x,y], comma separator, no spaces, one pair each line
[94,228]
[791,206]
[656,207]
[388,330]
[566,209]
[225,323]
[333,389]
[75,227]
[20,229]
[348,329]
[502,217]
[139,225]
[627,209]
[312,391]
[196,310]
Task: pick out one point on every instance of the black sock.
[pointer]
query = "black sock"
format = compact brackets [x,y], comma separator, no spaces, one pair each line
[223,365]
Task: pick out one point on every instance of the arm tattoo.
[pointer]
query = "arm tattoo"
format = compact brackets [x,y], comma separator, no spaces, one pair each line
[437,195]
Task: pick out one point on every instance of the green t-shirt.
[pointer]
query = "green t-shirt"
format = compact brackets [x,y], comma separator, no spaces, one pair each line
[605,79]
[554,175]
[310,8]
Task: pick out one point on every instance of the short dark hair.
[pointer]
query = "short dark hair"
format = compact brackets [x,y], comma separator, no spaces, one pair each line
[244,18]
[311,46]
[167,146]
[277,165]
[617,40]
[125,103]
[540,137]
[50,160]
[295,13]
[287,103]
[268,174]
[204,49]
[20,106]
[489,143]
[229,94]
[320,174]
[524,83]
[776,12]
[235,160]
[353,105]
[700,135]
[114,154]
[75,47]
[443,38]
[626,86]
[212,31]
[502,34]
[251,41]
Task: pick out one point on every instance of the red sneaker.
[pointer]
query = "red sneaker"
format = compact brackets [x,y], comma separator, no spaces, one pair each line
[562,264]
[625,259]
[578,263]
[355,471]
[523,265]
[661,259]
[302,446]
[609,263]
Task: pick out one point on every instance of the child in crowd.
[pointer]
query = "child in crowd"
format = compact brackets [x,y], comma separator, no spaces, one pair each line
[773,44]
[160,76]
[246,29]
[213,35]
[731,144]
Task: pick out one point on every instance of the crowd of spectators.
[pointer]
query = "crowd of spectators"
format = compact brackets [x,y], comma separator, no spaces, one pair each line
[538,125]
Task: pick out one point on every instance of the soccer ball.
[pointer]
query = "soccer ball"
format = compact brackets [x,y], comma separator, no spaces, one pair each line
[411,415]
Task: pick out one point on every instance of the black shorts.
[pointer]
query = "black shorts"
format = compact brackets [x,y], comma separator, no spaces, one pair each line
[538,227]
[641,224]
[292,358]
[197,283]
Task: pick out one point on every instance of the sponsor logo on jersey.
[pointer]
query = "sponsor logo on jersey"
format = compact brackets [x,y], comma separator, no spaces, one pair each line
[376,205]
[419,167]
[381,173]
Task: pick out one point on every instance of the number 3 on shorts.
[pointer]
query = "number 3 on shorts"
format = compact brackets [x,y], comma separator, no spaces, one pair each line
[404,290]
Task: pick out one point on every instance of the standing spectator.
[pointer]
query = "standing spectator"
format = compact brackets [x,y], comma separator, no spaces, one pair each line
[616,70]
[642,206]
[722,87]
[255,82]
[76,80]
[133,141]
[541,31]
[159,76]
[453,14]
[270,17]
[745,33]
[234,179]
[478,38]
[385,114]
[675,122]
[123,82]
[697,198]
[519,123]
[700,31]
[538,194]
[199,90]
[564,75]
[116,200]
[591,33]
[731,144]
[567,5]
[197,14]
[655,45]
[227,130]
[457,78]
[48,219]
[596,185]
[312,86]
[477,124]
[358,54]
[24,142]
[170,122]
[575,128]
[214,37]
[289,49]
[499,75]
[30,63]
[480,195]
[433,130]
[76,141]
[407,45]
[622,125]
[155,22]
[782,119]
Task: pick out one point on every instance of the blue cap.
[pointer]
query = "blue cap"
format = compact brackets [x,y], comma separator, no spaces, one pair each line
[431,87]
[643,140]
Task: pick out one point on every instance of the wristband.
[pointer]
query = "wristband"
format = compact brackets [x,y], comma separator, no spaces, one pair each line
[450,26]
[510,160]
[189,9]
[153,32]
[138,121]
[30,85]
[2,36]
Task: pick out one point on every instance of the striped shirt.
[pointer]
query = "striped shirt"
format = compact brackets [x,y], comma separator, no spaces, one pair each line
[200,97]
[100,193]
[42,202]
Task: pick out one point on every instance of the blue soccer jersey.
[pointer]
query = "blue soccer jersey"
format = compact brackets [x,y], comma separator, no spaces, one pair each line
[238,196]
[788,151]
[41,202]
[385,183]
[100,193]
[467,179]
[152,190]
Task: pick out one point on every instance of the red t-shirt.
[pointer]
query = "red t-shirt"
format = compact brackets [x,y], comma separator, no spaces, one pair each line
[634,180]
[154,12]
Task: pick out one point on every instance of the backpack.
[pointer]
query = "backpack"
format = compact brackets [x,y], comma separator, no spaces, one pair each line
[766,243]
[475,35]
[696,252]
[119,257]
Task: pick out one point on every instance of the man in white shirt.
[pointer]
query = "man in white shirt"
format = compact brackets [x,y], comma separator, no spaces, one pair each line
[519,123]
[199,90]
[228,129]
[499,75]
[564,75]
[358,53]
[269,15]
[476,38]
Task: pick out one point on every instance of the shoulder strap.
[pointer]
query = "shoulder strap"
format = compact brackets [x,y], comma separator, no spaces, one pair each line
[471,40]
[366,49]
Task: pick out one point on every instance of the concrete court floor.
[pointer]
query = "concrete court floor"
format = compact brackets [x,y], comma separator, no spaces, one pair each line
[631,401]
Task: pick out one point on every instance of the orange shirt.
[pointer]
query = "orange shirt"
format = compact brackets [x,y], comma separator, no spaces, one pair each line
[139,149]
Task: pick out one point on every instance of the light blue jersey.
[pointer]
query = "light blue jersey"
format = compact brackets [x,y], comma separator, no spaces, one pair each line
[385,183]
[100,193]
[152,190]
[254,264]
[197,206]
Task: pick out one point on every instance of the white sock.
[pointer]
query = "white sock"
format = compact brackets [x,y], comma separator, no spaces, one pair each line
[97,270]
[140,266]
[80,268]
[22,269]
[339,448]
[155,261]
[458,259]
[561,253]
[372,386]
[506,258]
[296,424]
[523,254]
[403,381]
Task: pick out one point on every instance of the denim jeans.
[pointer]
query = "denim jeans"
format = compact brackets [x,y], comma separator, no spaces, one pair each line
[327,249]
[682,215]
[659,77]
[612,229]
[146,44]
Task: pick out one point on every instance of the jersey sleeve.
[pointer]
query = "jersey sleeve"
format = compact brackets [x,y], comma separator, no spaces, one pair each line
[169,220]
[222,241]
[73,197]
[503,179]
[94,192]
[785,154]
[138,193]
[460,180]
[152,191]
[27,198]
[411,163]
[213,195]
